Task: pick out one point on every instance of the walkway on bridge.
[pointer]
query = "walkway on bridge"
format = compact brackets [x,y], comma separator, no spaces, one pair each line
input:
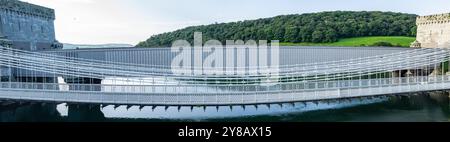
[141,84]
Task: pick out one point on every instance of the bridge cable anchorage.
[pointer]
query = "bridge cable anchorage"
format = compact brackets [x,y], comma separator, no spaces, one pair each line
[117,83]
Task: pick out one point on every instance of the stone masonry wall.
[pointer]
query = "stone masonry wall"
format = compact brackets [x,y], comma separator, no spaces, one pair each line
[27,26]
[433,31]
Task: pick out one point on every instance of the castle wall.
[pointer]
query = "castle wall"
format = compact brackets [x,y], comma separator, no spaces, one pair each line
[433,31]
[27,26]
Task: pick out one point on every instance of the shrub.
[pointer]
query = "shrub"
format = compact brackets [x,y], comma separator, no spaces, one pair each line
[382,44]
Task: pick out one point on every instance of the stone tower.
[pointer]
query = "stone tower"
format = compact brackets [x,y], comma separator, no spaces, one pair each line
[433,31]
[27,26]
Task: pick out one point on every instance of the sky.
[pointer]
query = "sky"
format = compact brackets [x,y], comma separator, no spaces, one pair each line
[132,21]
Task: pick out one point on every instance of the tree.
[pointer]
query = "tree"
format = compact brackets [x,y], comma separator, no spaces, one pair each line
[291,34]
[310,27]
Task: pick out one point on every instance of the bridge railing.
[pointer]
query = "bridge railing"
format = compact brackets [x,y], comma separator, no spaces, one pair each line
[412,70]
[224,88]
[341,70]
[143,97]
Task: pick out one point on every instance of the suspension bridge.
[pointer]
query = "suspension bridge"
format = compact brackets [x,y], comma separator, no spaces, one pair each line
[147,79]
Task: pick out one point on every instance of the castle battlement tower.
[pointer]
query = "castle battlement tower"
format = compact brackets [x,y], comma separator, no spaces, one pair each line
[27,26]
[433,31]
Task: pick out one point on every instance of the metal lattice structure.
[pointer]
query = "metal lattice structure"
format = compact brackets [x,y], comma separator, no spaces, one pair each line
[107,82]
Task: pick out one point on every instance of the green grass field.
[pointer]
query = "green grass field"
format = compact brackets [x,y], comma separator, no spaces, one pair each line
[401,41]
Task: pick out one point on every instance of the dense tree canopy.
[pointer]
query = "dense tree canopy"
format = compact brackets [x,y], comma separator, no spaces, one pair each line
[312,27]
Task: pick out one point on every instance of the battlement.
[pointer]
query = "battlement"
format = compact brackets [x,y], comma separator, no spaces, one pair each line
[433,19]
[26,8]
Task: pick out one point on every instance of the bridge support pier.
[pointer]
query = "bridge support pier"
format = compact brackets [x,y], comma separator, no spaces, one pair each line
[78,113]
[439,96]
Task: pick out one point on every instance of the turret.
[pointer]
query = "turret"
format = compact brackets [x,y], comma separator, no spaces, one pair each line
[27,26]
[433,31]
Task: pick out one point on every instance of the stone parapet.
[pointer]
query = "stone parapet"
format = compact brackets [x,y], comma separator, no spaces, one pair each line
[433,19]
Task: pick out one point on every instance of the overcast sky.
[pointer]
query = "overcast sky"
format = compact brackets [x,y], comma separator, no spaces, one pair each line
[131,21]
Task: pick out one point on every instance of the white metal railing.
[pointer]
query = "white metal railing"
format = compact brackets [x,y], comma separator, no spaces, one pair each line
[381,64]
[217,98]
[406,71]
[223,88]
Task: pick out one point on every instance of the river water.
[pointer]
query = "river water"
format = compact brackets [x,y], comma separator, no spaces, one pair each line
[424,107]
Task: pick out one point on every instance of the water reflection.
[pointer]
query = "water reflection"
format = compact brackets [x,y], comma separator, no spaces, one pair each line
[432,106]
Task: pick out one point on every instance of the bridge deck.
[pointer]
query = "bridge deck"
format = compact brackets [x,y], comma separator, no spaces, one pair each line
[109,82]
[202,97]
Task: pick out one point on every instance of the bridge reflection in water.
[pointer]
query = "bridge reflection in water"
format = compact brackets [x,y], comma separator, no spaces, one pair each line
[431,106]
[34,76]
